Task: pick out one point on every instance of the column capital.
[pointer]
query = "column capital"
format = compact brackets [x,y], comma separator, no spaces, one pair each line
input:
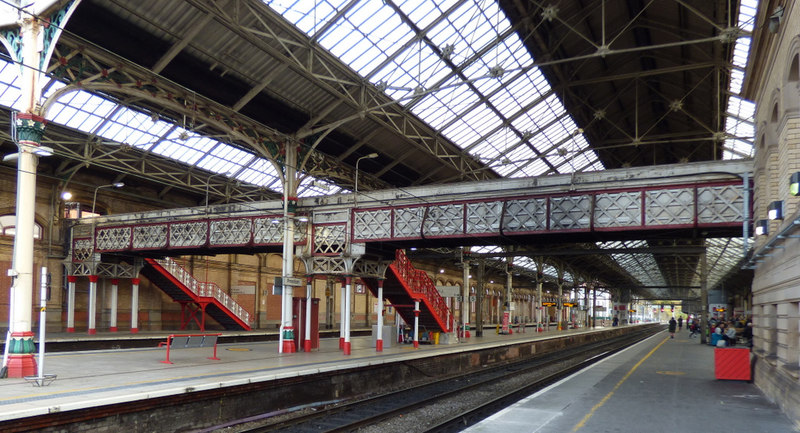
[30,128]
[135,281]
[93,278]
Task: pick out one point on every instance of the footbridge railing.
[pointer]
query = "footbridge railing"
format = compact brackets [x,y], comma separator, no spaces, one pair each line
[423,287]
[202,289]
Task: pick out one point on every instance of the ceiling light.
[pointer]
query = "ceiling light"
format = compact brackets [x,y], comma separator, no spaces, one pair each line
[775,210]
[762,227]
[302,218]
[66,195]
[43,151]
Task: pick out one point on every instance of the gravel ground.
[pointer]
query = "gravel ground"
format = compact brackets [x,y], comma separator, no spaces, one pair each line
[422,419]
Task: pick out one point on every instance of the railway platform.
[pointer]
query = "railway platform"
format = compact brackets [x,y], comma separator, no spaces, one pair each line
[659,385]
[86,379]
[93,383]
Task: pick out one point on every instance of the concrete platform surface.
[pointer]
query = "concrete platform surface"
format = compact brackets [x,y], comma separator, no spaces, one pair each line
[660,385]
[101,377]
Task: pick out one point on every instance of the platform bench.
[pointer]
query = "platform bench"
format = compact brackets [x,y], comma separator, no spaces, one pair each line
[190,341]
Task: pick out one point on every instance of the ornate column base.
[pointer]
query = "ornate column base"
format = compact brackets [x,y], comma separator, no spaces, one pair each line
[21,365]
[21,362]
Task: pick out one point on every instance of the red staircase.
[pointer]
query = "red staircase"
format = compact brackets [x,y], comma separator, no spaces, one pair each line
[403,285]
[196,298]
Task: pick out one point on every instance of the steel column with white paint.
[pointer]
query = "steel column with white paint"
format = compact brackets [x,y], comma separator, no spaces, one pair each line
[71,280]
[92,304]
[134,305]
[113,318]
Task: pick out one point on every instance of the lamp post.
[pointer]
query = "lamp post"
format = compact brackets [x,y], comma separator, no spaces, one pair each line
[110,185]
[355,193]
[208,183]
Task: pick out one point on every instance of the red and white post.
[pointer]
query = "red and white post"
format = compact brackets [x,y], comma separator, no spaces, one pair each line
[379,340]
[307,338]
[341,315]
[348,290]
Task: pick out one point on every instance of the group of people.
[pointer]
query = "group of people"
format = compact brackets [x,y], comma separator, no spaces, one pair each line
[726,331]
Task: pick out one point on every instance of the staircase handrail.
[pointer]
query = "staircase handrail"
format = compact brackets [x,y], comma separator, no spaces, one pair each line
[421,284]
[202,289]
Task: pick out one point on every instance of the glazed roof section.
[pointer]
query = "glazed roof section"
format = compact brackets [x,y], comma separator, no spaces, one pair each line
[460,67]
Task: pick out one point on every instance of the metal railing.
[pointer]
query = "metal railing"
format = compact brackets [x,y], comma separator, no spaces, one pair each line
[421,284]
[204,289]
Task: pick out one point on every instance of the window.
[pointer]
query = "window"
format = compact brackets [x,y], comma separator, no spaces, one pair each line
[8,227]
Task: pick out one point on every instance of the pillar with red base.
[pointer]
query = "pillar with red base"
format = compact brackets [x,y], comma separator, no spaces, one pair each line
[341,315]
[71,280]
[347,301]
[134,305]
[307,338]
[28,129]
[113,319]
[21,362]
[379,338]
[288,340]
[92,304]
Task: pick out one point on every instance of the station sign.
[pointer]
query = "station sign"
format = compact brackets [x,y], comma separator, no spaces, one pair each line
[289,281]
[549,304]
[448,291]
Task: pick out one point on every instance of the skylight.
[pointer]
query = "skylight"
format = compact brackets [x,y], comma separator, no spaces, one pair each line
[740,123]
[119,124]
[460,68]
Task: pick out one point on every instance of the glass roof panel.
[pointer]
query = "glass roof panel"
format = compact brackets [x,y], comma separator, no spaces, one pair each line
[370,32]
[424,12]
[740,123]
[306,15]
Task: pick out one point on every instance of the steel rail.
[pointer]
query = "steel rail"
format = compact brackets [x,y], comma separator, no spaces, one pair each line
[373,410]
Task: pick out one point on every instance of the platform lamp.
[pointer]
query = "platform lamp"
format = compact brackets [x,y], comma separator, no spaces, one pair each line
[355,188]
[762,227]
[775,210]
[794,184]
[110,185]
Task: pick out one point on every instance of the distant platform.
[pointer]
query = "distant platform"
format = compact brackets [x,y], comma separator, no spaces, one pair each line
[660,385]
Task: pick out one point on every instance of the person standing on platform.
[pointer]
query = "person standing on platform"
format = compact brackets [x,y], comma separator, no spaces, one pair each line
[680,323]
[747,334]
[672,325]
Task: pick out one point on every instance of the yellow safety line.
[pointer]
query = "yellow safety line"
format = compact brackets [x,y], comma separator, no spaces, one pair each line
[582,423]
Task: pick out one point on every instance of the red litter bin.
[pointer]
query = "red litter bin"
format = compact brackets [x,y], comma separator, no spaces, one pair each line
[732,363]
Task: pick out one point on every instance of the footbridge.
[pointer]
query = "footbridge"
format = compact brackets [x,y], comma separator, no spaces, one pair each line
[696,199]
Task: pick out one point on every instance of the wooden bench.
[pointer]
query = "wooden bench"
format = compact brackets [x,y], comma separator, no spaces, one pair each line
[190,341]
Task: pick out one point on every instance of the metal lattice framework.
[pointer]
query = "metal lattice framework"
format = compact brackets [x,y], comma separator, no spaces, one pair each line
[644,202]
[688,206]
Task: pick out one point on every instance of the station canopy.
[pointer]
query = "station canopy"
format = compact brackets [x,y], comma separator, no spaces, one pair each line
[443,91]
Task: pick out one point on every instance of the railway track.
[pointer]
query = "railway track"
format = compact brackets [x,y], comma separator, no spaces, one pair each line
[448,404]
